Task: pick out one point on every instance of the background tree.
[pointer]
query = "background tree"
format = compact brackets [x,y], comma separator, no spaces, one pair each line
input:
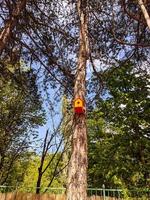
[54,161]
[119,145]
[31,174]
[21,112]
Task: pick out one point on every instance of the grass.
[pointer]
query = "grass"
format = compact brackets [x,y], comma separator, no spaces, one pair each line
[30,196]
[46,196]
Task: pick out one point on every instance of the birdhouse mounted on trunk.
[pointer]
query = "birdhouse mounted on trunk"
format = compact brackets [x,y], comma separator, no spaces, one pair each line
[78,106]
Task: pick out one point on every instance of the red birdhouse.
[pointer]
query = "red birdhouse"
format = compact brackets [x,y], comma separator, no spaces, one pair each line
[78,106]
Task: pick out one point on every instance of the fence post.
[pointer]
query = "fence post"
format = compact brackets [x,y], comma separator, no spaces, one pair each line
[16,191]
[104,194]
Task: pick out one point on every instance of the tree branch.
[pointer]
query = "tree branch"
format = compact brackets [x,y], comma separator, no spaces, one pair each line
[5,35]
[145,13]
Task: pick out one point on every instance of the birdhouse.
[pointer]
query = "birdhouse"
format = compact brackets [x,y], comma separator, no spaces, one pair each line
[78,106]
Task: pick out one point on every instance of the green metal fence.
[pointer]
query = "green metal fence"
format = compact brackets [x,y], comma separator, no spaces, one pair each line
[104,193]
[138,194]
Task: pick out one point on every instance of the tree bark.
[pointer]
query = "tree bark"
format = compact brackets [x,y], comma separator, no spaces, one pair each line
[77,172]
[145,13]
[5,35]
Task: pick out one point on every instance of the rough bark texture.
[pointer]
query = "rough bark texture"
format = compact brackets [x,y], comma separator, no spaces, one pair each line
[145,13]
[5,35]
[77,173]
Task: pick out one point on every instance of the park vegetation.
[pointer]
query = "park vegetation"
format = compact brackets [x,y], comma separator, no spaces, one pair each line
[53,52]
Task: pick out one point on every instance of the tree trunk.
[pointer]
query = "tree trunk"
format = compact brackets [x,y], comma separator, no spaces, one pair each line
[38,184]
[145,13]
[40,169]
[5,35]
[77,172]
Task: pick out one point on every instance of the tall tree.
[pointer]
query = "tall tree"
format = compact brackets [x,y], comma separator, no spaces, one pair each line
[77,175]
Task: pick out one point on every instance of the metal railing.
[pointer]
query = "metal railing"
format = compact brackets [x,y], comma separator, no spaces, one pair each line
[104,193]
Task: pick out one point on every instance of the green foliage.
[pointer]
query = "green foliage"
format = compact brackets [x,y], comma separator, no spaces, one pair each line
[21,112]
[31,174]
[18,170]
[119,146]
